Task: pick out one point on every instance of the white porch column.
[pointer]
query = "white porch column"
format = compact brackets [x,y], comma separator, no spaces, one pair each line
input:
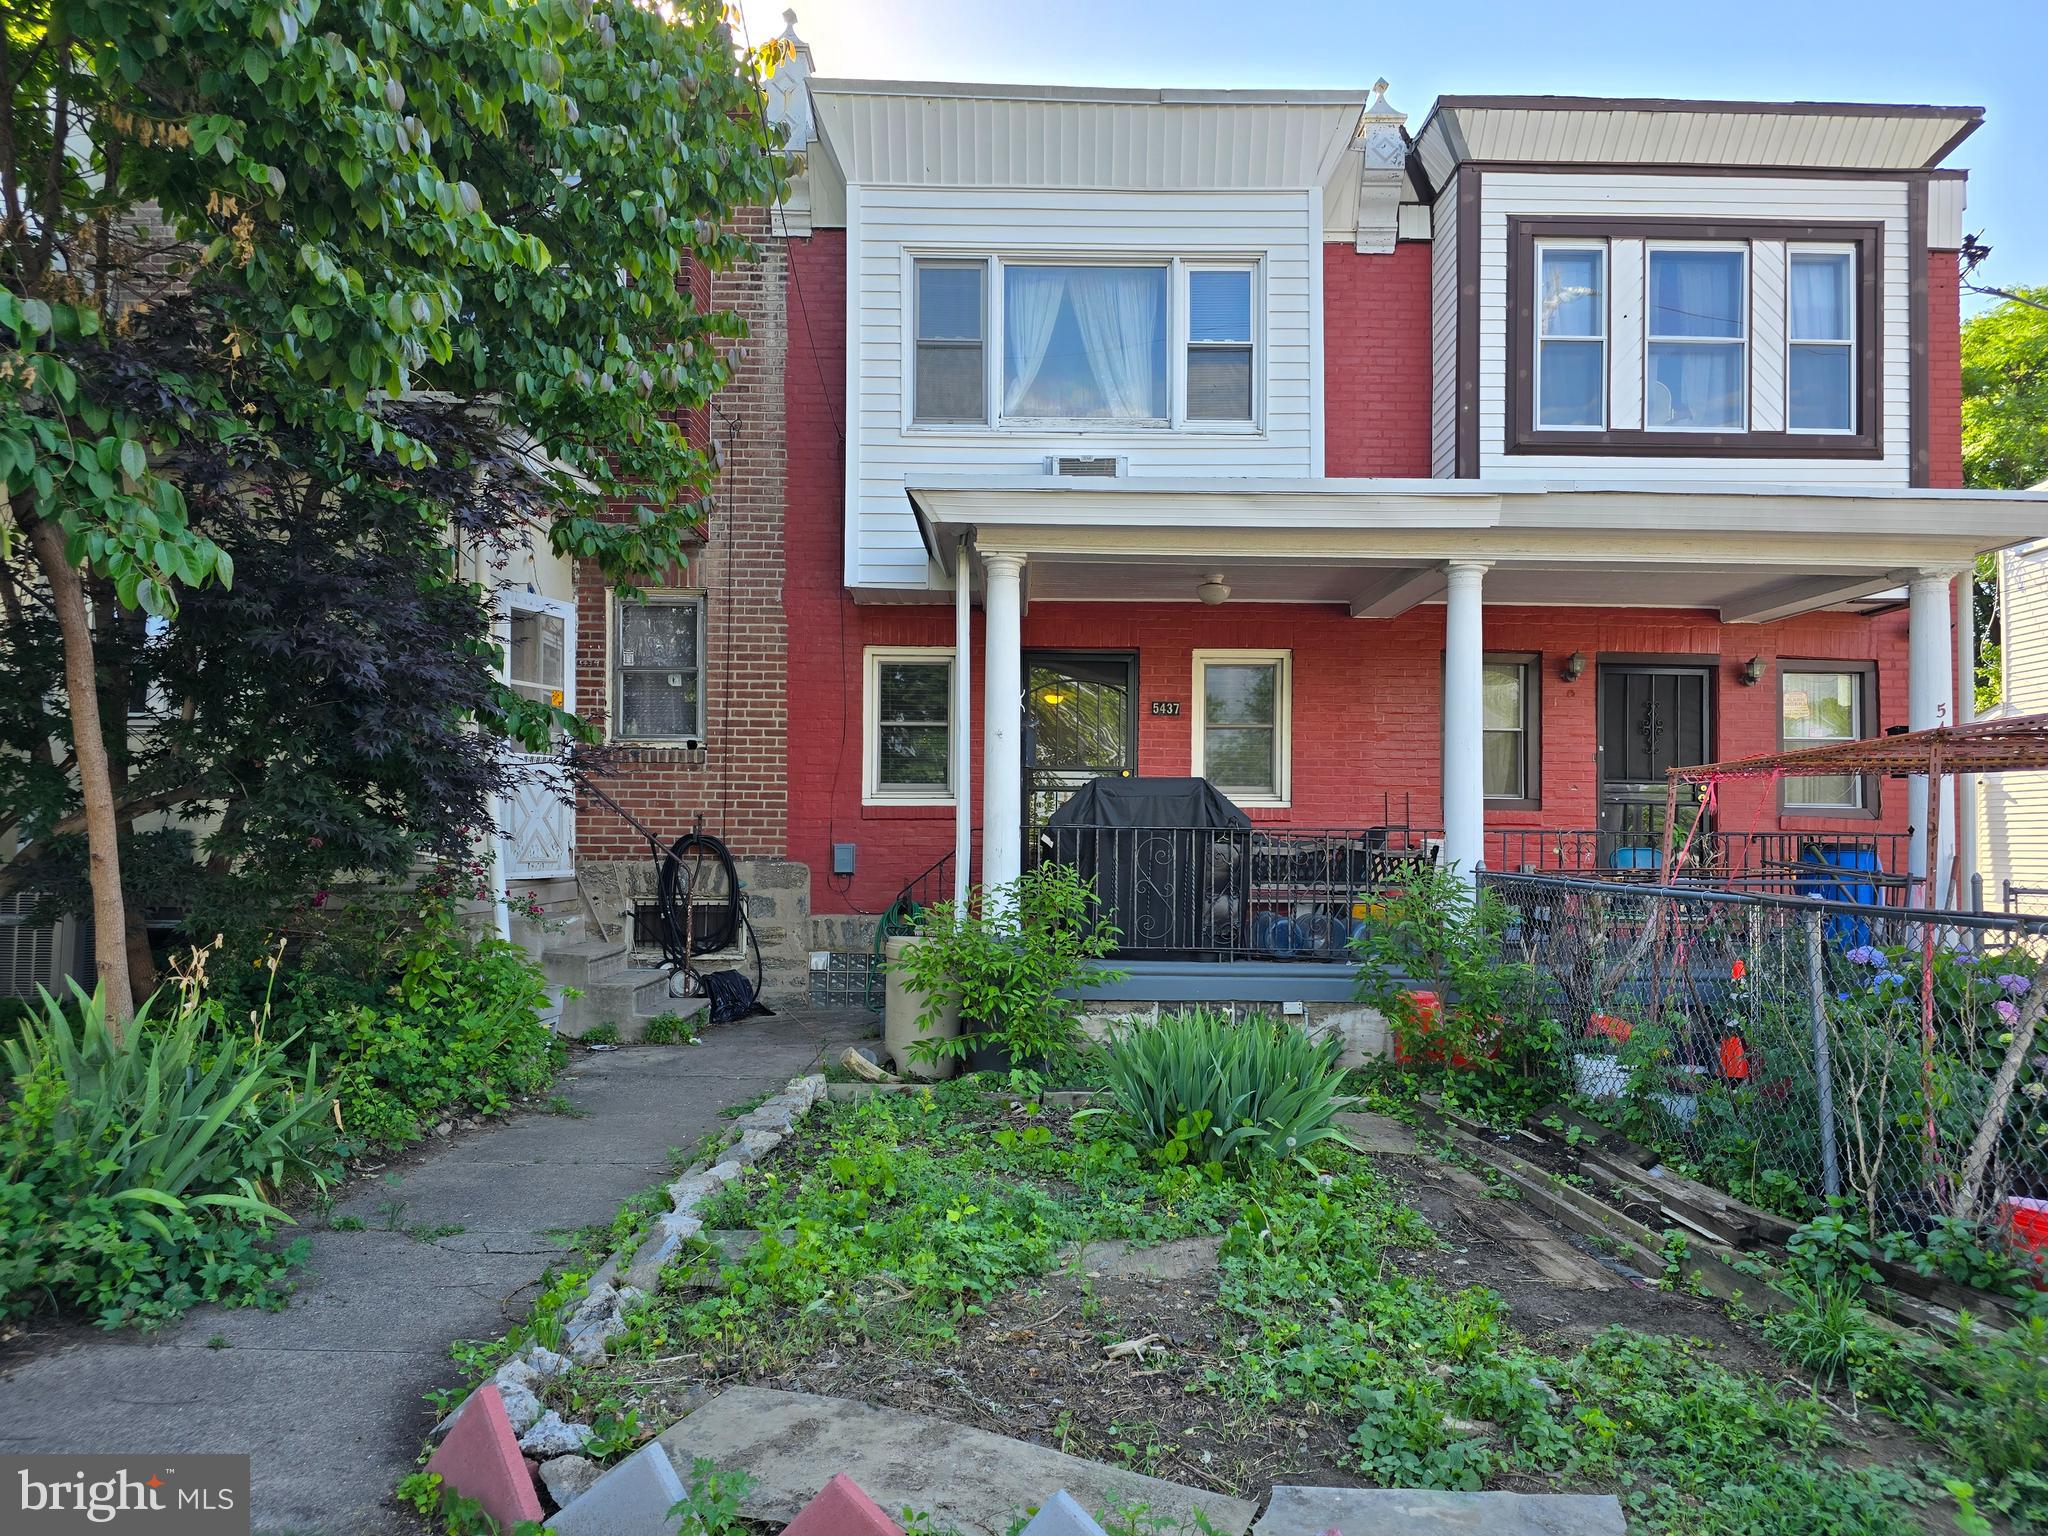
[1930,702]
[963,721]
[1966,713]
[1002,753]
[1464,719]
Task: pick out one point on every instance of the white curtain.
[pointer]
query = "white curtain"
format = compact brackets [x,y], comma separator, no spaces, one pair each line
[1819,312]
[1117,312]
[1031,308]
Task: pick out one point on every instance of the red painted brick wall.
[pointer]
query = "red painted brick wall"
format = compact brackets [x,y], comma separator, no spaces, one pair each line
[1944,370]
[740,787]
[1376,361]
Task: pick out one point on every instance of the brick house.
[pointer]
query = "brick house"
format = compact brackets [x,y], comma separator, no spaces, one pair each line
[1431,489]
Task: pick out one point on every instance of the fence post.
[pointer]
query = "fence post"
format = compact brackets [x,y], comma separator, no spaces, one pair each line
[1823,1071]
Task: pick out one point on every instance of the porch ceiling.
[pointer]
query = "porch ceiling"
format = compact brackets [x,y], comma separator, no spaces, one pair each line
[1378,547]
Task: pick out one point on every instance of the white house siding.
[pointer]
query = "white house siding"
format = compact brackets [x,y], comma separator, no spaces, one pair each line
[2013,807]
[889,226]
[1443,336]
[1632,196]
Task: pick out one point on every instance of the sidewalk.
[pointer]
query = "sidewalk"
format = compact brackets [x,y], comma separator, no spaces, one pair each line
[326,1395]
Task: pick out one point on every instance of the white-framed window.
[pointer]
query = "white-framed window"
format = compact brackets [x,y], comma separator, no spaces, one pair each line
[1696,335]
[1509,741]
[1051,343]
[658,668]
[1222,348]
[1820,339]
[949,377]
[540,647]
[1242,707]
[907,725]
[1571,335]
[1819,706]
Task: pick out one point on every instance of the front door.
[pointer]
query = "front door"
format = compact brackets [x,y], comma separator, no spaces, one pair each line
[1080,723]
[1652,718]
[537,818]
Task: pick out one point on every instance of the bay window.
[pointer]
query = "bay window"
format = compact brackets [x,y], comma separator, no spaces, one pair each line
[1697,337]
[1571,337]
[1136,344]
[1820,339]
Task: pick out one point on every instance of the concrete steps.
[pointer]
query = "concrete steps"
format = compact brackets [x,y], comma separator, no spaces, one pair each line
[627,999]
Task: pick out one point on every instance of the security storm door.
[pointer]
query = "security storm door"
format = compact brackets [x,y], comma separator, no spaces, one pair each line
[536,819]
[1080,723]
[1652,718]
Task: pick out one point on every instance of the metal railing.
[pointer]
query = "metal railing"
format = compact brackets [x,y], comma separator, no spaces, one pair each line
[1867,867]
[1793,1049]
[1226,893]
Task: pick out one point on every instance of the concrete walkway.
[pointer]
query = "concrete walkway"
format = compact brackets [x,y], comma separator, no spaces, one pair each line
[326,1395]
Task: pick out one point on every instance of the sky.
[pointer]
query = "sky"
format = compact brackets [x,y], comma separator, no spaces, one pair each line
[1983,54]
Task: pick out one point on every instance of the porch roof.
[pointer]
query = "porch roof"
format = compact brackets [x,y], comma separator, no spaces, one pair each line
[1751,552]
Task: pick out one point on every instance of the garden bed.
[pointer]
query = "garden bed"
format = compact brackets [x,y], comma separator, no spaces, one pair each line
[1393,1322]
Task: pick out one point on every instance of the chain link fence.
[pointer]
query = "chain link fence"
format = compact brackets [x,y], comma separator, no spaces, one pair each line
[1790,1049]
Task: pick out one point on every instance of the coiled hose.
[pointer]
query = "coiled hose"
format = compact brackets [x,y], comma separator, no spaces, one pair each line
[731,994]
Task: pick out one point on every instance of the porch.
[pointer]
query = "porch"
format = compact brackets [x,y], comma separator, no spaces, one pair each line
[1389,557]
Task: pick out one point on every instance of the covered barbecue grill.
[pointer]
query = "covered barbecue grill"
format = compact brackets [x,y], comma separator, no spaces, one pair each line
[1170,858]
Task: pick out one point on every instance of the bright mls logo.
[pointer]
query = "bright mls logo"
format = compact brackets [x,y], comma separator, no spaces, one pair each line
[124,1495]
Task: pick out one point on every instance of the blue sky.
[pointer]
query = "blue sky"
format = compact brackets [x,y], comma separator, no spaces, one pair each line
[1983,54]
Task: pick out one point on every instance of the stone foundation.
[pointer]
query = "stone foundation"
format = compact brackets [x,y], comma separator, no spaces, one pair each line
[777,893]
[1363,1030]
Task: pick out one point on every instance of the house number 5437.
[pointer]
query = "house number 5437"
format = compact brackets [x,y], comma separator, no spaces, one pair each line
[1166,706]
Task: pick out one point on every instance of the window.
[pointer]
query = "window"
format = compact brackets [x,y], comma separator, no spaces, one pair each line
[1571,337]
[1698,339]
[1509,729]
[1241,723]
[950,384]
[909,725]
[1820,337]
[1220,348]
[658,687]
[1817,707]
[537,649]
[1084,343]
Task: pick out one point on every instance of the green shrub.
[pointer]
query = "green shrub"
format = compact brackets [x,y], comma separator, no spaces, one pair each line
[1007,965]
[138,1177]
[460,1028]
[1203,1087]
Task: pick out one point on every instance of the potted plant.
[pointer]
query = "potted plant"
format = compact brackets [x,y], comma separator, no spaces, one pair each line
[1007,963]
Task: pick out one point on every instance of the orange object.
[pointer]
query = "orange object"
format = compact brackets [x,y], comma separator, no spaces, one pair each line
[1739,971]
[1424,1012]
[1734,1060]
[2029,1222]
[1612,1026]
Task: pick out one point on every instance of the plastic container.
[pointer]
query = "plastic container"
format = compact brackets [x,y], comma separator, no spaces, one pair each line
[900,1009]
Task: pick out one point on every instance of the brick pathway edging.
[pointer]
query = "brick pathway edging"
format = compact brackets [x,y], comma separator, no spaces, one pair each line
[628,1277]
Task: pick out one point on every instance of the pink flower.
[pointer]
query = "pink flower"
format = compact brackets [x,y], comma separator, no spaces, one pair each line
[2006,1011]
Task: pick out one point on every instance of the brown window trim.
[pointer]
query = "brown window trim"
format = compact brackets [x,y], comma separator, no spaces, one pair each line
[1531,663]
[1866,672]
[1522,436]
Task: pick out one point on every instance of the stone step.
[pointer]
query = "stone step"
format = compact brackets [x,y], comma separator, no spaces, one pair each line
[584,962]
[967,1480]
[627,1000]
[1303,1511]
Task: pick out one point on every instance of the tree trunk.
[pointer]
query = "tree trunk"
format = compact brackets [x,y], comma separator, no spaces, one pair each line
[141,963]
[95,782]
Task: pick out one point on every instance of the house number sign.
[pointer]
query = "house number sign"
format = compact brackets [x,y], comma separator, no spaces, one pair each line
[1166,706]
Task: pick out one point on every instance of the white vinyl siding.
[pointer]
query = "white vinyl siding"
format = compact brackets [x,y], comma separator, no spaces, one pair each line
[1443,336]
[889,228]
[1627,196]
[2013,807]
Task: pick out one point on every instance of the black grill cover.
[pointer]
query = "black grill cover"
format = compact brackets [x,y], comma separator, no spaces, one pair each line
[1170,858]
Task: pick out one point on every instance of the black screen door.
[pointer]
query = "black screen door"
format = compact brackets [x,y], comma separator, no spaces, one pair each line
[1080,723]
[1652,718]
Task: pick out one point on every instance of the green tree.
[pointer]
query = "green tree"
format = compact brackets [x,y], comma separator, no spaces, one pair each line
[2005,434]
[227,226]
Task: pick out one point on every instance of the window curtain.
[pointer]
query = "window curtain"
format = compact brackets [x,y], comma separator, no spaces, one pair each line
[1116,312]
[1031,309]
[1819,312]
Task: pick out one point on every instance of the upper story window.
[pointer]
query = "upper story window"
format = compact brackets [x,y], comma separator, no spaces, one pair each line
[1694,338]
[1698,338]
[1133,344]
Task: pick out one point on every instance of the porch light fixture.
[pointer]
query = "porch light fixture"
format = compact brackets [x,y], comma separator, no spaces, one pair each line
[1574,667]
[1213,590]
[1751,672]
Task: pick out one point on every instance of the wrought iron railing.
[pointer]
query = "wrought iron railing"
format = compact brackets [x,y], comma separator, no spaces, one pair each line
[1866,867]
[1231,893]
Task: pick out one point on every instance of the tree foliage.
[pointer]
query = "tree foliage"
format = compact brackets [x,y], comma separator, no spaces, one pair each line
[2005,395]
[295,290]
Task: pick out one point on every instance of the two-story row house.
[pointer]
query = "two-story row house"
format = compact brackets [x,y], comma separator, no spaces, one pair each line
[1439,484]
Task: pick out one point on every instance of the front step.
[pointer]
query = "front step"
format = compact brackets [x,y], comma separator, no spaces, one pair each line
[627,999]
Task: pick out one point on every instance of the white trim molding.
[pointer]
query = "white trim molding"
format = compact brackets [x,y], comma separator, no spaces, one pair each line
[1283,723]
[873,791]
